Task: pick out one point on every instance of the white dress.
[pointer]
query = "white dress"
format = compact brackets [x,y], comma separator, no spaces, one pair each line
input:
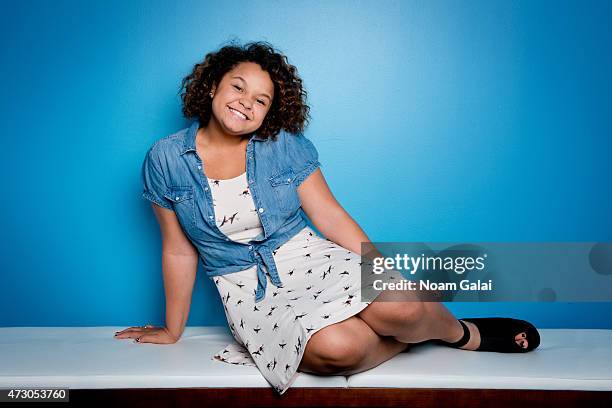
[321,286]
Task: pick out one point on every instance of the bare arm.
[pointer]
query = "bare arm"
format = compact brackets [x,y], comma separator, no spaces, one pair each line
[327,214]
[179,265]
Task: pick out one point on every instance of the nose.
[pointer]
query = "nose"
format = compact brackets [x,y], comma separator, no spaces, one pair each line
[246,103]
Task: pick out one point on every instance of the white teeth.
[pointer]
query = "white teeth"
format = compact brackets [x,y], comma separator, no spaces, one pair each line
[239,114]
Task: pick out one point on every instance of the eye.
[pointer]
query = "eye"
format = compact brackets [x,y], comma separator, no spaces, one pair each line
[240,89]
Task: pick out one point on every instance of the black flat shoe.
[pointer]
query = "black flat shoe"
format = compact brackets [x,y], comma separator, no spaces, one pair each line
[497,334]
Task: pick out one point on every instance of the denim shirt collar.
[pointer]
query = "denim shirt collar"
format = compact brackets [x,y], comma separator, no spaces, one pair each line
[189,141]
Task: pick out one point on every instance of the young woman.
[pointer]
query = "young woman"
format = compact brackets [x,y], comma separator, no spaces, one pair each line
[231,190]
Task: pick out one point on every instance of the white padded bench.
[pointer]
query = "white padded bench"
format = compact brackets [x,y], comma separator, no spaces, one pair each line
[90,358]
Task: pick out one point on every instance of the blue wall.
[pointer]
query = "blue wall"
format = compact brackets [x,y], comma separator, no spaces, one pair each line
[434,120]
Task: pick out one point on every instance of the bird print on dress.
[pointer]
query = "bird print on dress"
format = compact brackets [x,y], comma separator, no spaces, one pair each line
[235,217]
[229,219]
[321,286]
[245,192]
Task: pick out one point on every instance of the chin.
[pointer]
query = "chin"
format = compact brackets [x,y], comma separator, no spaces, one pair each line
[232,130]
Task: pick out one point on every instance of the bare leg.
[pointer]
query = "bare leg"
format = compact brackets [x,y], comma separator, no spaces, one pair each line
[446,327]
[381,351]
[411,321]
[439,323]
[416,321]
[352,346]
[347,347]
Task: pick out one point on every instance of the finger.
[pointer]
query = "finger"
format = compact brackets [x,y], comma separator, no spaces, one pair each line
[120,332]
[125,331]
[128,329]
[129,333]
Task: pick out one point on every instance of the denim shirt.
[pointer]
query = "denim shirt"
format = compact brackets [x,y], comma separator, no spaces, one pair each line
[173,177]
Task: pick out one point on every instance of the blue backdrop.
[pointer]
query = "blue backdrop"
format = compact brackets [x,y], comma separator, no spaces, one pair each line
[434,120]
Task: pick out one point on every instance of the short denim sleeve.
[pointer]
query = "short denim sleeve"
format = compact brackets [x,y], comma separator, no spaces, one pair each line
[303,156]
[154,185]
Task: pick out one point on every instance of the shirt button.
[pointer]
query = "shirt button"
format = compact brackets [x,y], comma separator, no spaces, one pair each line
[250,246]
[177,198]
[289,179]
[199,167]
[261,209]
[210,216]
[227,239]
[205,188]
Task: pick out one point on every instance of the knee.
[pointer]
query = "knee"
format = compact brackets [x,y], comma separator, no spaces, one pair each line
[388,316]
[337,354]
[343,358]
[413,312]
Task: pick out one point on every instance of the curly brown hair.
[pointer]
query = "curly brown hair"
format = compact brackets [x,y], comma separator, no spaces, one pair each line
[288,111]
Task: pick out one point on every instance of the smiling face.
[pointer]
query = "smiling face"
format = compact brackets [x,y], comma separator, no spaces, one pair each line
[242,99]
